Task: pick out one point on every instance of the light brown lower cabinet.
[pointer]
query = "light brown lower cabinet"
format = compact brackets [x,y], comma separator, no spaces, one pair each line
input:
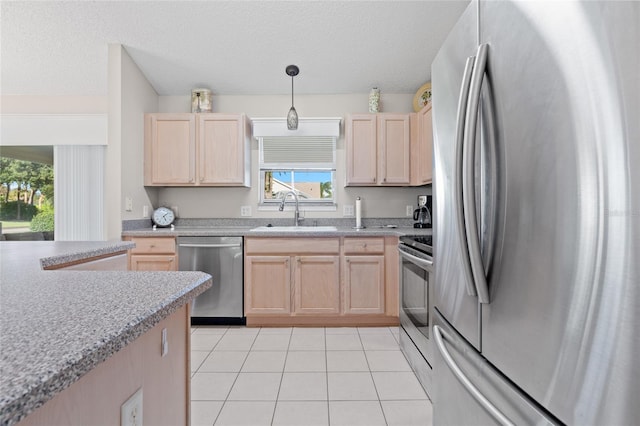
[267,285]
[325,281]
[153,254]
[316,286]
[364,284]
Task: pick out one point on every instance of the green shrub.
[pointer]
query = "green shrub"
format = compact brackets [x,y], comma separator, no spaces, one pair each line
[43,221]
[9,211]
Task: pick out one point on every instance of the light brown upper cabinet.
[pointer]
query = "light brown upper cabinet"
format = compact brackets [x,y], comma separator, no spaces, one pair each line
[196,150]
[378,149]
[422,147]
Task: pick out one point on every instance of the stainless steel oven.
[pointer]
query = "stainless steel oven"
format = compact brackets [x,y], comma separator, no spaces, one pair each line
[416,305]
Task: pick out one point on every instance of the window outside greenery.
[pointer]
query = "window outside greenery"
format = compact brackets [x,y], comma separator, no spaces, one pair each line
[26,196]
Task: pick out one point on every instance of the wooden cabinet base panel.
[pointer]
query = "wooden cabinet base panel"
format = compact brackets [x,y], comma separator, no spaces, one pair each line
[96,397]
[322,321]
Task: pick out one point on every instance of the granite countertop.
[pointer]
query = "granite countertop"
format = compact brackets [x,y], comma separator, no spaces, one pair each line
[55,326]
[240,228]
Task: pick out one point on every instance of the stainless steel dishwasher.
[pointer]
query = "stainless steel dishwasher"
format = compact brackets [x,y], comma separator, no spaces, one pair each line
[222,258]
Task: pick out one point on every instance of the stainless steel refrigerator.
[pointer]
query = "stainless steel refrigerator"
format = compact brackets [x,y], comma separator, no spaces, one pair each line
[536,109]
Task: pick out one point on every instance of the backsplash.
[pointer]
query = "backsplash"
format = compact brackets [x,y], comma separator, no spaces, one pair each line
[130,225]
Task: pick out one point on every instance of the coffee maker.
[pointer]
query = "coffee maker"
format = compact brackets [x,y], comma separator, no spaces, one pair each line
[423,213]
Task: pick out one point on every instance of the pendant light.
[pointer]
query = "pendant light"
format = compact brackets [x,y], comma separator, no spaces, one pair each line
[292,116]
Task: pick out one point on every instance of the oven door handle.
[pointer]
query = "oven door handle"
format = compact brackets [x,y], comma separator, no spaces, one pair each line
[423,263]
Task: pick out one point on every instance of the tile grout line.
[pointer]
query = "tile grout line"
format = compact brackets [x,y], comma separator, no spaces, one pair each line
[286,356]
[237,374]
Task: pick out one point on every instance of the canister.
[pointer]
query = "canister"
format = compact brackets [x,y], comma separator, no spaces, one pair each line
[201,100]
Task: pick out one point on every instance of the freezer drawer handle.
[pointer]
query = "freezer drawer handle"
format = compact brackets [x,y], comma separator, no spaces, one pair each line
[440,335]
[209,245]
[460,120]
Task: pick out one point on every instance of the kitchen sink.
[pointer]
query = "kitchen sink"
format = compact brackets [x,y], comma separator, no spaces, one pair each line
[295,229]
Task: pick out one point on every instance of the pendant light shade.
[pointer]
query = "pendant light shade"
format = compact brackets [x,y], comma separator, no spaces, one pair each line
[292,116]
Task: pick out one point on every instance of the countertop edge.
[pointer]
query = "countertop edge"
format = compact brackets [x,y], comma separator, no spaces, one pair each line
[248,232]
[114,247]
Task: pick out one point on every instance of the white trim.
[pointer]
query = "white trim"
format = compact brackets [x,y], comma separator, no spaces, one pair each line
[322,126]
[53,129]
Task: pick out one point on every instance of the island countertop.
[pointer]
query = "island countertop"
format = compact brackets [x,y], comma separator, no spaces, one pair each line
[55,326]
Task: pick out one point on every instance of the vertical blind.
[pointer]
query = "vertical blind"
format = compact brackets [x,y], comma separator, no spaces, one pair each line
[79,192]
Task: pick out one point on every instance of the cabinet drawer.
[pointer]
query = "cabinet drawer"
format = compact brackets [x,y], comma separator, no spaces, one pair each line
[292,245]
[154,245]
[363,245]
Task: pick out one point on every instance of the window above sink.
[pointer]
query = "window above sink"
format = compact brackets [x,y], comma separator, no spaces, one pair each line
[303,161]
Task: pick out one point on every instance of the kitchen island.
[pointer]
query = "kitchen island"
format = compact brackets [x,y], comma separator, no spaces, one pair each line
[58,327]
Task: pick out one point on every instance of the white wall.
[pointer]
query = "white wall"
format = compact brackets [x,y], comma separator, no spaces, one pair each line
[226,202]
[130,96]
[138,98]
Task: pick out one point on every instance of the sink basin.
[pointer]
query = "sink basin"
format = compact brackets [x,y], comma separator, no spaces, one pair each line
[295,229]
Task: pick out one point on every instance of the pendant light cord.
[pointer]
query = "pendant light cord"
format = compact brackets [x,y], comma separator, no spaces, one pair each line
[292,91]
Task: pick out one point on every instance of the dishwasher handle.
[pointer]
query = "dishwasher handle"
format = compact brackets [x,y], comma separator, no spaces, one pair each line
[209,245]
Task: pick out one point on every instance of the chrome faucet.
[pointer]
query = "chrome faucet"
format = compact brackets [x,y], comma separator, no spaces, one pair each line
[296,214]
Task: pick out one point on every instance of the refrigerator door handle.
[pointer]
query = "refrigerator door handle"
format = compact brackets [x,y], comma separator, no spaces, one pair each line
[440,335]
[468,176]
[459,210]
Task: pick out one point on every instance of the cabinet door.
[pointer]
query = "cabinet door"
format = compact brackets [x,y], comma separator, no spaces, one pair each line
[422,148]
[221,144]
[153,263]
[267,285]
[316,285]
[394,144]
[361,149]
[170,149]
[364,285]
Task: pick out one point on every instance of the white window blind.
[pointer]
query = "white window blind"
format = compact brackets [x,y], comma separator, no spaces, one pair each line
[298,152]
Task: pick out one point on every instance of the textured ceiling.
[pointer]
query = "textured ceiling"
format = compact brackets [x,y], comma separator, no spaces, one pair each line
[231,47]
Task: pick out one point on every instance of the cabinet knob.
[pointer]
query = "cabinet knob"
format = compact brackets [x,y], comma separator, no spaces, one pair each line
[364,245]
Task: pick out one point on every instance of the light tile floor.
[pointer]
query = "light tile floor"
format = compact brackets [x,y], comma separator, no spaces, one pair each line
[303,377]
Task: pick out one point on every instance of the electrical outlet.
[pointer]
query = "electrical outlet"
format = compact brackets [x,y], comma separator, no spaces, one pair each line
[165,343]
[245,211]
[409,211]
[175,210]
[145,212]
[128,204]
[347,210]
[131,410]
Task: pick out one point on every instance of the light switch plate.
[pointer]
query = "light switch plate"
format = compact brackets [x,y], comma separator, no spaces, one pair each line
[409,211]
[245,211]
[128,204]
[131,410]
[347,210]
